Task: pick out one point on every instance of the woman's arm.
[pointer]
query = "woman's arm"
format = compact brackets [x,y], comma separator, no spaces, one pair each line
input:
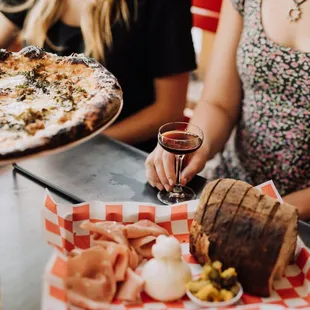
[8,32]
[168,107]
[301,200]
[218,109]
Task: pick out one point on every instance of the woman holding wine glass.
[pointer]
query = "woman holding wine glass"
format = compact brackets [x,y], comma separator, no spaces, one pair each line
[259,83]
[179,139]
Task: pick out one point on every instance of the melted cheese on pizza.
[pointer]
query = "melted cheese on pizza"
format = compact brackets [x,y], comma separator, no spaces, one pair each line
[41,97]
[12,81]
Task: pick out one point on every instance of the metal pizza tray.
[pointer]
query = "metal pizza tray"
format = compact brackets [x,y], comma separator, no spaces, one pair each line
[100,169]
[304,232]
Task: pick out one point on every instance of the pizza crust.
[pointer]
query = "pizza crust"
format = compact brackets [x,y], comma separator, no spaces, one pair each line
[47,101]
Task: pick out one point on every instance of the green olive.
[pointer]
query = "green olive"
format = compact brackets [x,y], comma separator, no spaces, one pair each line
[195,286]
[226,295]
[217,265]
[229,277]
[208,293]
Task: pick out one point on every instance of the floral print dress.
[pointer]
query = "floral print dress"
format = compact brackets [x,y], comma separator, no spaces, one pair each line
[272,139]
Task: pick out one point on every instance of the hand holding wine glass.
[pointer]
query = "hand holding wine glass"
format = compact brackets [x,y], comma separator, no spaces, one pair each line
[179,139]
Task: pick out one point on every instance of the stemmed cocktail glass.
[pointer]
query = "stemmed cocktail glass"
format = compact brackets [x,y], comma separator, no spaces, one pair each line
[180,139]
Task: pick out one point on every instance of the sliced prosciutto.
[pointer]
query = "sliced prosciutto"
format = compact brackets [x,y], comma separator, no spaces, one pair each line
[90,276]
[86,303]
[144,228]
[106,271]
[130,290]
[107,231]
[118,255]
[143,245]
[134,258]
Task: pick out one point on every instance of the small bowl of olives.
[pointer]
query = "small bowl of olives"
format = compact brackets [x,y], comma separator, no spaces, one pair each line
[215,287]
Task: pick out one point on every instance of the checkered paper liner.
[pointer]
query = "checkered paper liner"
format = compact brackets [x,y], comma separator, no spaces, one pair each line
[62,230]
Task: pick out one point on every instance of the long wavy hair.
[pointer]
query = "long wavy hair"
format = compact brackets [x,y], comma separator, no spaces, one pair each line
[96,21]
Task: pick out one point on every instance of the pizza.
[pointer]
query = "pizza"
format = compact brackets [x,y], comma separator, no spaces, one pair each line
[48,101]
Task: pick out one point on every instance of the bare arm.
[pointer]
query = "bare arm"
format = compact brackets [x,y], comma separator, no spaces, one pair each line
[169,105]
[301,200]
[218,109]
[8,32]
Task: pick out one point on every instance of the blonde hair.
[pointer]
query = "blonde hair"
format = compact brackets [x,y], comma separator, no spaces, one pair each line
[96,22]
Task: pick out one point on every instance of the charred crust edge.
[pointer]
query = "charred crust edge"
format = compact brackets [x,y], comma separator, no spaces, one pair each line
[33,52]
[81,59]
[4,54]
[102,113]
[63,137]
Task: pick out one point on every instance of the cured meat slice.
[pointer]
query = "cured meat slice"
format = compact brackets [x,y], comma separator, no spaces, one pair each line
[144,228]
[118,255]
[90,276]
[143,245]
[108,231]
[86,303]
[134,258]
[131,288]
[244,229]
[105,271]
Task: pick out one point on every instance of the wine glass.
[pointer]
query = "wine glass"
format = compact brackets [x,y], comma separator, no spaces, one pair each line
[179,138]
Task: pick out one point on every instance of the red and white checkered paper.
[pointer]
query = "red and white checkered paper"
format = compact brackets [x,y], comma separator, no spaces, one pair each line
[62,230]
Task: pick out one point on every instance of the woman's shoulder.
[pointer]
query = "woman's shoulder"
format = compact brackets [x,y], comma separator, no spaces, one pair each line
[238,5]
